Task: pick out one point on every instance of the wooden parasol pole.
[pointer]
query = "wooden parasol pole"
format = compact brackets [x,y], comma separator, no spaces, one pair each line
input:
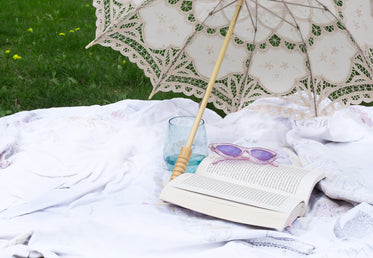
[186,151]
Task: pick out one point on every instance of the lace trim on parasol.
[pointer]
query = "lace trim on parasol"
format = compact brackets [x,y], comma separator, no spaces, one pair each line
[171,68]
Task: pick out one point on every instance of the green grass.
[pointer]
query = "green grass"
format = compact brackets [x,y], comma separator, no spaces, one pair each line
[55,69]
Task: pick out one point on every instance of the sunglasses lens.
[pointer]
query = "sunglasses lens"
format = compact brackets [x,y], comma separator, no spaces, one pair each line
[262,155]
[229,150]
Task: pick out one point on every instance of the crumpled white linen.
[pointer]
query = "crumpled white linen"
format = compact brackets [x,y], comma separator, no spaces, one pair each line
[342,146]
[85,181]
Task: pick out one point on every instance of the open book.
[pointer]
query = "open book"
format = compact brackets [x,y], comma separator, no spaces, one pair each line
[240,191]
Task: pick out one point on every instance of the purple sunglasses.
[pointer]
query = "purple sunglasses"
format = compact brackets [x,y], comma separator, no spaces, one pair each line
[234,152]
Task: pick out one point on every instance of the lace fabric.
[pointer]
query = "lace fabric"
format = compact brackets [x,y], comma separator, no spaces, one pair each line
[320,49]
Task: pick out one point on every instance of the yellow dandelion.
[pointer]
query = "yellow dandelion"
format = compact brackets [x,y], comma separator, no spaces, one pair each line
[15,57]
[62,34]
[7,51]
[124,62]
[72,31]
[30,30]
[87,5]
[76,29]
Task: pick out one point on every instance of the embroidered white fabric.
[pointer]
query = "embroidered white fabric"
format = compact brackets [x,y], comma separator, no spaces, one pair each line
[84,182]
[177,43]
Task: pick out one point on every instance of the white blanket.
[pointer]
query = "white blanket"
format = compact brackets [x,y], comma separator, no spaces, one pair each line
[84,182]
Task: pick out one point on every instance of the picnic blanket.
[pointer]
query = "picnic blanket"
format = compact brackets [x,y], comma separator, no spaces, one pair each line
[85,181]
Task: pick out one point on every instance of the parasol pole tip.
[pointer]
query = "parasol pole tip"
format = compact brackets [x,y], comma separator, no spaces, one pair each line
[181,162]
[152,94]
[90,44]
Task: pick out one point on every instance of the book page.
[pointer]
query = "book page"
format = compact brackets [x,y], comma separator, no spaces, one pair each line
[280,179]
[234,192]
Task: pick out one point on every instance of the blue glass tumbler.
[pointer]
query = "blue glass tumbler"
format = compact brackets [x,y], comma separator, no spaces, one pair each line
[179,128]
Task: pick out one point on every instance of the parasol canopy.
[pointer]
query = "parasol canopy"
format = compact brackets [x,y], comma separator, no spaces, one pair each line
[316,55]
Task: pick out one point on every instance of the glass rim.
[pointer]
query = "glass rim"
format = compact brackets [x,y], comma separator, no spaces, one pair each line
[187,118]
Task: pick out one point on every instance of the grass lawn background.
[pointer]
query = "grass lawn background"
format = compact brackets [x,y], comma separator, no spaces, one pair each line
[44,63]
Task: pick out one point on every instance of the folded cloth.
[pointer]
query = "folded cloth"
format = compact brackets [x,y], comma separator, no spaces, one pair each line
[85,181]
[340,145]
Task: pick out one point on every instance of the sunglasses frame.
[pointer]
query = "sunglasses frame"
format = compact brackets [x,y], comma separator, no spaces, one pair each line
[250,157]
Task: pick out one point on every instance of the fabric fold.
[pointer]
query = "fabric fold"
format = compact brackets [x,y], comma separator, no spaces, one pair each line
[85,182]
